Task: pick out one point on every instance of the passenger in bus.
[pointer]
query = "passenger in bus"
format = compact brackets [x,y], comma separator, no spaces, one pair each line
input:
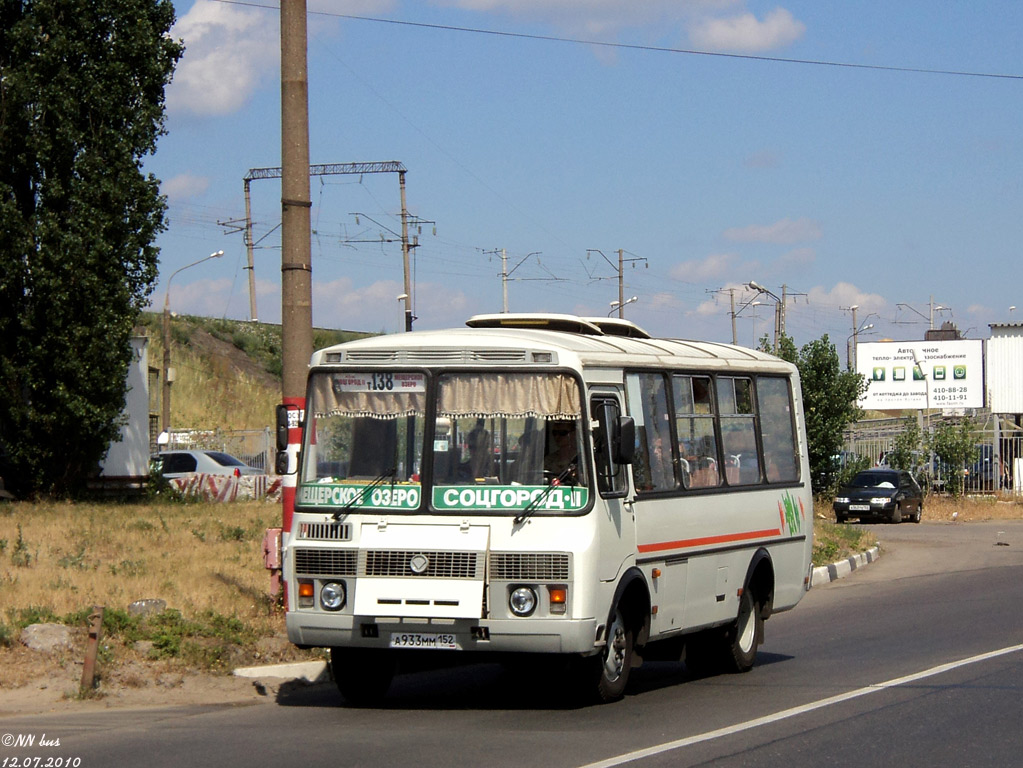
[481,456]
[562,456]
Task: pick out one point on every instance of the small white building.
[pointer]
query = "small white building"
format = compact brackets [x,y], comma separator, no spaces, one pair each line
[127,460]
[1005,369]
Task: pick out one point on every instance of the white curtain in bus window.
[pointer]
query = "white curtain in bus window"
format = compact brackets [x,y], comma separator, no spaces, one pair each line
[776,426]
[377,395]
[738,430]
[694,424]
[648,405]
[514,395]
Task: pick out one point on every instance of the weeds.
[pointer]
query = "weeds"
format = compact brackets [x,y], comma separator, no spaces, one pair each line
[234,533]
[20,556]
[128,568]
[75,561]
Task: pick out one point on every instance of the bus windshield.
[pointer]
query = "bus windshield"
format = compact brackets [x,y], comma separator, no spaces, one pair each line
[364,440]
[518,434]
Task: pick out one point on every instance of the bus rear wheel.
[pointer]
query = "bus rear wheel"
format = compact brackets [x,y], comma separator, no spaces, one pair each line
[362,675]
[743,636]
[732,648]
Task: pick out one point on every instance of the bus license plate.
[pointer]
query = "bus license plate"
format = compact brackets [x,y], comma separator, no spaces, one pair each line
[859,507]
[439,641]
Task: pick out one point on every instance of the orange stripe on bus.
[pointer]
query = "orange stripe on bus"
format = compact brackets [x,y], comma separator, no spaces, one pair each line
[723,539]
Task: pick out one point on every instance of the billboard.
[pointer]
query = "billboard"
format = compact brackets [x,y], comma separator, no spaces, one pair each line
[922,374]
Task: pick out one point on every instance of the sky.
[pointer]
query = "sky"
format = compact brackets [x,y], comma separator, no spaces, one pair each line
[838,155]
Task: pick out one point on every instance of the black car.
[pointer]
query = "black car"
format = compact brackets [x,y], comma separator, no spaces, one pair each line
[880,494]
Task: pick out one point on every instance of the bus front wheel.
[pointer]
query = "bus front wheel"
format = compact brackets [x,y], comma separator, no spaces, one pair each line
[606,674]
[362,675]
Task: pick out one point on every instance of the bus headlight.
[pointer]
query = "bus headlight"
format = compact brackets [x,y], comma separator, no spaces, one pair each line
[333,596]
[522,601]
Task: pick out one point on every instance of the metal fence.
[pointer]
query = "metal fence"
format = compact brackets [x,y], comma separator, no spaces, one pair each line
[253,446]
[996,468]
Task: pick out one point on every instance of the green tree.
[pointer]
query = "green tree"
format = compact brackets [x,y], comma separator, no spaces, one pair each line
[81,104]
[830,396]
[954,445]
[905,454]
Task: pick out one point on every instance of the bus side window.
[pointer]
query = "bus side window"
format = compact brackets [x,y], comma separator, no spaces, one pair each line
[777,426]
[694,425]
[648,404]
[738,430]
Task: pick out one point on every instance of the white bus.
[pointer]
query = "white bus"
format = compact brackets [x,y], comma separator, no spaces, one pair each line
[545,484]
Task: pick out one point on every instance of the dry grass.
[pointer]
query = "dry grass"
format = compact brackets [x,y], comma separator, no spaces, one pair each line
[195,556]
[57,560]
[211,391]
[972,508]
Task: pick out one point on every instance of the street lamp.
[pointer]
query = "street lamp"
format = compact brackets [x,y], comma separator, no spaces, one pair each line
[779,309]
[620,306]
[166,341]
[851,342]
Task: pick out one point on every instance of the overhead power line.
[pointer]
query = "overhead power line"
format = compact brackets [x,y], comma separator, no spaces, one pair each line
[648,48]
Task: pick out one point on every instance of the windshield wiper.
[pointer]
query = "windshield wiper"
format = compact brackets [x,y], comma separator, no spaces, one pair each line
[361,498]
[535,503]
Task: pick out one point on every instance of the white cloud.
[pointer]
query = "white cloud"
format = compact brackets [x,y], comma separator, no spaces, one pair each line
[184,186]
[765,158]
[341,304]
[782,232]
[746,33]
[712,267]
[595,18]
[797,258]
[848,295]
[229,51]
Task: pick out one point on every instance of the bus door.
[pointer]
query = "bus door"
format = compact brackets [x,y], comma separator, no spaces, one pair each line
[660,476]
[615,521]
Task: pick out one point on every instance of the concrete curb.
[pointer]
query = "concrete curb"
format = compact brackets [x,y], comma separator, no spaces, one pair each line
[310,671]
[825,574]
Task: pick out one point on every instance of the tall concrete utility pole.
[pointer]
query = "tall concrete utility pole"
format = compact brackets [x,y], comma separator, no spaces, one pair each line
[296,267]
[404,253]
[249,255]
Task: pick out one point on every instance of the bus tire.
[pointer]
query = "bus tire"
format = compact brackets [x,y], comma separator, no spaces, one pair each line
[743,635]
[362,675]
[603,677]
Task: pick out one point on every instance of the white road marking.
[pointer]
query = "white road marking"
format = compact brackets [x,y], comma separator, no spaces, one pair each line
[802,709]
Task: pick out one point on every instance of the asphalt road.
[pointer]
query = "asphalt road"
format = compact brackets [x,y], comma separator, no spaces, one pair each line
[915,660]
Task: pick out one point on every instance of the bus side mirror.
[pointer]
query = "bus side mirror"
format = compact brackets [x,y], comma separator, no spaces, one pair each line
[625,444]
[282,427]
[282,462]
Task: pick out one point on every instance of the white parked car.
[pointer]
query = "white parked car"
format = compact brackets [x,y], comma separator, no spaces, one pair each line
[181,463]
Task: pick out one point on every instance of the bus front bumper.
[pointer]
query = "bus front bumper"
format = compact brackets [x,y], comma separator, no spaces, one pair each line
[319,629]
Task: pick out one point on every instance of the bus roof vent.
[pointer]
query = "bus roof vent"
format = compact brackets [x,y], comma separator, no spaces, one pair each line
[616,326]
[537,321]
[428,356]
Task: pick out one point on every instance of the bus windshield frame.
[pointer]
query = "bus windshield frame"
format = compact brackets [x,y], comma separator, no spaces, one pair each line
[476,442]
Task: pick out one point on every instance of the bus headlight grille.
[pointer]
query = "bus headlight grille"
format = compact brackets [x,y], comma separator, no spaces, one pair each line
[325,562]
[529,566]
